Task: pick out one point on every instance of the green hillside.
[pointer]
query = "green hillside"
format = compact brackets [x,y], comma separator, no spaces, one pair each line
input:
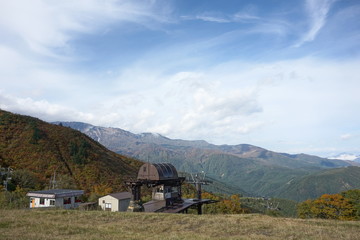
[39,149]
[250,174]
[296,184]
[329,181]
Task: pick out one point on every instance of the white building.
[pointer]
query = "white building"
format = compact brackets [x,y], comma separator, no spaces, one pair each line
[63,198]
[115,202]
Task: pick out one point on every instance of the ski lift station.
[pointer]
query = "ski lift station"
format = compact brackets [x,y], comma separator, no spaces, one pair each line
[166,190]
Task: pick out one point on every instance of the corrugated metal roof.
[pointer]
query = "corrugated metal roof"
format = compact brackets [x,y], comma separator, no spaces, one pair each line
[157,171]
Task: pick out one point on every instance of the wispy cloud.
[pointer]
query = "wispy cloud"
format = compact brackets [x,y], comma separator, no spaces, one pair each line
[47,27]
[208,17]
[317,11]
[349,136]
[213,19]
[245,17]
[240,17]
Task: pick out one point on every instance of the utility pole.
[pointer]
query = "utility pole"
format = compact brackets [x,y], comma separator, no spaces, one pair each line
[198,180]
[6,172]
[53,182]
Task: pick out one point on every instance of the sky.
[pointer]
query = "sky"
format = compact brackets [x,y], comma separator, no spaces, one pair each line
[282,75]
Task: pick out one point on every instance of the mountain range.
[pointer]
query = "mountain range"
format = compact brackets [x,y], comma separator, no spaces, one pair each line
[36,150]
[249,169]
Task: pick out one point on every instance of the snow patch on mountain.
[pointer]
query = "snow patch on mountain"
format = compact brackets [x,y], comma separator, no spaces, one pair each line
[148,134]
[346,157]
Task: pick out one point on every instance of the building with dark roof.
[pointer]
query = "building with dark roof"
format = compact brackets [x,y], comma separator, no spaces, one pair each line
[63,198]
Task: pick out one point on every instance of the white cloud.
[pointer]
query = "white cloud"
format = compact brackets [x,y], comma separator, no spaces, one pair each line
[42,109]
[200,88]
[209,18]
[349,136]
[216,17]
[346,136]
[46,27]
[317,11]
[249,127]
[229,103]
[245,17]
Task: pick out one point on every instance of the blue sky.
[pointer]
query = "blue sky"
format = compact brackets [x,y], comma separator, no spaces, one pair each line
[283,75]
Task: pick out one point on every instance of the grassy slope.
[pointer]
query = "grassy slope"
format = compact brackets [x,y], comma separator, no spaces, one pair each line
[40,147]
[62,224]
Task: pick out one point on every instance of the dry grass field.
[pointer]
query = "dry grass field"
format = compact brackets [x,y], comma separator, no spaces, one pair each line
[62,224]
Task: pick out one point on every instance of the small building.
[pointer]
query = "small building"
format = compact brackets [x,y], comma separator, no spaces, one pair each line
[62,198]
[115,202]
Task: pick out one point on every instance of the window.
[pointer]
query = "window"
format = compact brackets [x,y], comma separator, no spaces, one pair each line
[52,202]
[67,200]
[42,201]
[108,206]
[144,169]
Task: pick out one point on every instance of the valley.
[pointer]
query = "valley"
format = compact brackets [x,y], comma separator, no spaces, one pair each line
[246,169]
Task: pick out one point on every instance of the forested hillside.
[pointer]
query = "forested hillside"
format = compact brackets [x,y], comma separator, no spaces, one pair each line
[329,181]
[35,150]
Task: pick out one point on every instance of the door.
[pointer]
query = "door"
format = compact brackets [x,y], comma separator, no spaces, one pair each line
[107,206]
[33,202]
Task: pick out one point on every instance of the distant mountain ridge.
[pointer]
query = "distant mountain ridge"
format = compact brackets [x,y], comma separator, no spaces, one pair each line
[120,140]
[253,169]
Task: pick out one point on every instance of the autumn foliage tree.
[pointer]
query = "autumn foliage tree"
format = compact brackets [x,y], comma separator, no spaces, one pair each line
[225,205]
[330,206]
